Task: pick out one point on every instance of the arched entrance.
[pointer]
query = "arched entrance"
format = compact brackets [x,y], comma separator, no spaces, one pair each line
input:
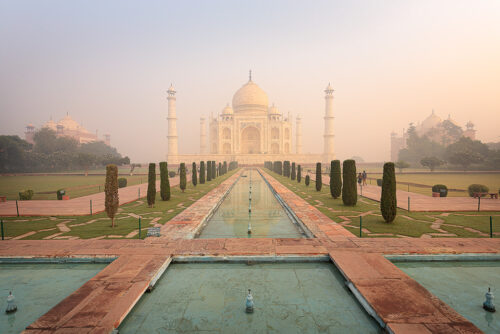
[250,140]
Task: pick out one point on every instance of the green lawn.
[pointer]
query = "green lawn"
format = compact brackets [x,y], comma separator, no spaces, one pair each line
[99,225]
[410,224]
[75,185]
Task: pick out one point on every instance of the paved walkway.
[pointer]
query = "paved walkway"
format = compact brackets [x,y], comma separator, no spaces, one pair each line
[102,303]
[79,206]
[419,202]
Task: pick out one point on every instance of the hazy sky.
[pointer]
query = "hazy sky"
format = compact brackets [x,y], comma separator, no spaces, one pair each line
[109,63]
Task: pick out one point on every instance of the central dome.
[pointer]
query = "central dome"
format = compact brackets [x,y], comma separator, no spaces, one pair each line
[250,97]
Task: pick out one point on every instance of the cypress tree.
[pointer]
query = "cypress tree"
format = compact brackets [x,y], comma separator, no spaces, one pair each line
[335,179]
[209,171]
[152,184]
[213,170]
[111,201]
[308,179]
[299,173]
[202,172]
[224,167]
[319,181]
[164,182]
[349,187]
[219,170]
[182,175]
[388,201]
[194,175]
[292,176]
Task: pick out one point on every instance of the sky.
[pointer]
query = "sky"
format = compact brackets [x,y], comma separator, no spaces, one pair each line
[109,63]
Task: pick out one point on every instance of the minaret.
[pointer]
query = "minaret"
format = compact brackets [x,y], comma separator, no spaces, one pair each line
[298,135]
[203,136]
[328,153]
[172,127]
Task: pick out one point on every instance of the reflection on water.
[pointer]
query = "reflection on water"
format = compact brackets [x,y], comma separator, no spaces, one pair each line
[267,218]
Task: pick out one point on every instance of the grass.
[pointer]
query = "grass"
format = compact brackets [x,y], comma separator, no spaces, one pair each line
[75,185]
[409,224]
[99,225]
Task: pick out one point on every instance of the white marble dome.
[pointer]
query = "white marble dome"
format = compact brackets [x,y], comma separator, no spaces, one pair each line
[250,97]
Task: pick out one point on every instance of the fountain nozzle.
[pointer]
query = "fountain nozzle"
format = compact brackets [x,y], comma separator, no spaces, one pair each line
[249,302]
[11,305]
[488,304]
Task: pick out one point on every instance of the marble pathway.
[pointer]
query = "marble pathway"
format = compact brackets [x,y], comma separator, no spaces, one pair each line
[102,303]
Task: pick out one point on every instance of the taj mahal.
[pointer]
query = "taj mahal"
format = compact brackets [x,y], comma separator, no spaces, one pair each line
[250,131]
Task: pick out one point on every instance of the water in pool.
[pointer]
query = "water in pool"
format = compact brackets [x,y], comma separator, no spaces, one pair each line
[210,298]
[37,288]
[462,285]
[267,218]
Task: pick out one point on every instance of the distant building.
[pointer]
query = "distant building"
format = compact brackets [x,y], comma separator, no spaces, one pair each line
[436,129]
[67,127]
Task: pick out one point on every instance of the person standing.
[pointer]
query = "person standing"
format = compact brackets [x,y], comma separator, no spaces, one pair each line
[364,177]
[360,178]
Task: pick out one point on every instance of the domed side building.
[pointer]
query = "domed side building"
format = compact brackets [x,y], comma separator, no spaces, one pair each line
[250,131]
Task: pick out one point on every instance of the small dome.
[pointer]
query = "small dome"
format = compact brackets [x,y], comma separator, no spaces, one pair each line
[250,97]
[452,120]
[227,110]
[69,123]
[51,125]
[274,110]
[431,122]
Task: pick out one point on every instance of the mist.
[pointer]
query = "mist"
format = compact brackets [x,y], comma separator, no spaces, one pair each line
[109,64]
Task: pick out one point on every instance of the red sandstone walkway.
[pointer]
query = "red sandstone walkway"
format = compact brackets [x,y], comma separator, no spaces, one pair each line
[102,303]
[419,202]
[77,206]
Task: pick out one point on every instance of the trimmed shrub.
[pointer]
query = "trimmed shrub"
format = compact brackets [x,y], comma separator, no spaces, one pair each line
[171,173]
[26,195]
[224,167]
[299,173]
[307,180]
[335,179]
[233,165]
[319,181]
[202,172]
[441,189]
[151,185]
[182,174]
[209,171]
[477,188]
[219,170]
[164,181]
[286,168]
[388,202]
[292,176]
[278,167]
[213,170]
[60,193]
[111,200]
[194,175]
[122,182]
[379,182]
[349,187]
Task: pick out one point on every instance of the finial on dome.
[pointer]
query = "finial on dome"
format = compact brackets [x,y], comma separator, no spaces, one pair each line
[249,75]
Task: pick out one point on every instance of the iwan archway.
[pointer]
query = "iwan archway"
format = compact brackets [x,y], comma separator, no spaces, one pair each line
[250,140]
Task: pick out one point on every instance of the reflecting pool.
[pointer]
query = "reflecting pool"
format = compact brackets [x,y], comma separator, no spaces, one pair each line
[288,297]
[462,285]
[37,288]
[267,218]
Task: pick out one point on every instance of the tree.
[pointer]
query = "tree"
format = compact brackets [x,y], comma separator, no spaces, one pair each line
[319,182]
[278,167]
[86,160]
[307,180]
[219,170]
[388,200]
[292,176]
[286,168]
[213,170]
[401,165]
[182,176]
[431,162]
[209,171]
[466,152]
[299,173]
[164,182]
[194,176]
[151,185]
[335,179]
[224,167]
[202,172]
[111,201]
[349,187]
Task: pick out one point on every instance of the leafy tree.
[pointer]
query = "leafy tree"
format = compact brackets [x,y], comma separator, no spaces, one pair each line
[419,147]
[349,187]
[86,160]
[292,176]
[133,167]
[401,165]
[209,171]
[194,176]
[213,170]
[307,180]
[13,153]
[388,200]
[182,175]
[111,200]
[299,173]
[466,152]
[335,179]
[319,182]
[431,162]
[452,132]
[164,182]
[202,172]
[151,185]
